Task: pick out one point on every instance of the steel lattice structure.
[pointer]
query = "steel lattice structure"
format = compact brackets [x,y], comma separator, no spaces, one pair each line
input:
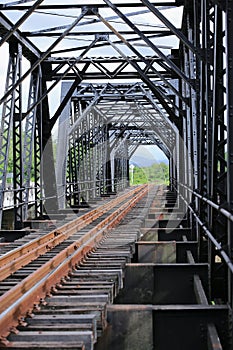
[123,83]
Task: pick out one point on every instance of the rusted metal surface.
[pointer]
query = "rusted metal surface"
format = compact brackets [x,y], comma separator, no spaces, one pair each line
[163,327]
[158,291]
[21,256]
[74,294]
[213,338]
[31,290]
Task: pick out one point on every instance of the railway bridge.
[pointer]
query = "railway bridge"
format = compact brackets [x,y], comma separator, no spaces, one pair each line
[84,86]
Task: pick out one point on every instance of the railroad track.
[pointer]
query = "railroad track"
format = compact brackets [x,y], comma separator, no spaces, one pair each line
[68,276]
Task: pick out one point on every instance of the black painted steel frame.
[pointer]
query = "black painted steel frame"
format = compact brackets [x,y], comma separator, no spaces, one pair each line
[181,101]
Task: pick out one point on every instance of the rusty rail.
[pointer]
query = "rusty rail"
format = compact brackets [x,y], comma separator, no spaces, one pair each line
[23,297]
[19,257]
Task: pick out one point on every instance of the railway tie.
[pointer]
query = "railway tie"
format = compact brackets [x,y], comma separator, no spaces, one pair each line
[69,300]
[129,280]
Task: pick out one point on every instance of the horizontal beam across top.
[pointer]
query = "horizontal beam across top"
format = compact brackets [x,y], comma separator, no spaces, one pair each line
[113,94]
[99,76]
[100,59]
[87,33]
[75,5]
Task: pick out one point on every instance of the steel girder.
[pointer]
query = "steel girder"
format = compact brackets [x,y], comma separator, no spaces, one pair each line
[207,129]
[11,116]
[157,66]
[28,147]
[229,126]
[179,97]
[103,121]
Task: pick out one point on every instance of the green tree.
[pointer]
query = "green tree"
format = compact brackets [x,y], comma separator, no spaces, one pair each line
[157,172]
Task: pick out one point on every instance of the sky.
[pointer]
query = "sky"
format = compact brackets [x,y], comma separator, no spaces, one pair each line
[147,155]
[39,21]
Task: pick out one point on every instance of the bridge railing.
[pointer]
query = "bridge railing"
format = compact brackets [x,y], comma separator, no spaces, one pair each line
[220,248]
[8,202]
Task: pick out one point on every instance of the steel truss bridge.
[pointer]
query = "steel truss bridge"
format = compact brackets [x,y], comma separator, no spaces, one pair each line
[129,73]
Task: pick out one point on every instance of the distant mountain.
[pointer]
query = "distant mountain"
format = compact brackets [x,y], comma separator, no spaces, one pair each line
[145,161]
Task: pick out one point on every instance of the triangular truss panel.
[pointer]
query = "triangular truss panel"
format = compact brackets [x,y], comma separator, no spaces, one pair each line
[107,76]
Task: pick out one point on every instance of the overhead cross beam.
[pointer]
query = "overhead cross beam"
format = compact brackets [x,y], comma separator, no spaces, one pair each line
[149,42]
[134,76]
[29,50]
[8,34]
[10,7]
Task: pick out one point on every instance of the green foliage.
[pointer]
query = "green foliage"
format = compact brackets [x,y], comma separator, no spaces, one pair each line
[158,173]
[10,166]
[139,176]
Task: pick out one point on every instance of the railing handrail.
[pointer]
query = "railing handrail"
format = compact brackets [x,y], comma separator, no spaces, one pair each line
[223,211]
[217,245]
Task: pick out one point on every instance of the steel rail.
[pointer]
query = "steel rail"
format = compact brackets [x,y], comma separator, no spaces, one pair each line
[22,298]
[19,257]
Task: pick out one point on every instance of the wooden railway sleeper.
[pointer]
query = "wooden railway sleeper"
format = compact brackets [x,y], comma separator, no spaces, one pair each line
[32,250]
[118,215]
[23,272]
[70,281]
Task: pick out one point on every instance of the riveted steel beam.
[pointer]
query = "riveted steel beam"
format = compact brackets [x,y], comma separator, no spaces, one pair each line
[29,50]
[78,6]
[169,25]
[43,56]
[149,43]
[13,29]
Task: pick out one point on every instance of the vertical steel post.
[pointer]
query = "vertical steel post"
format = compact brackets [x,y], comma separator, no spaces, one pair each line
[29,135]
[229,72]
[8,110]
[37,166]
[17,144]
[108,161]
[218,179]
[62,147]
[205,118]
[47,160]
